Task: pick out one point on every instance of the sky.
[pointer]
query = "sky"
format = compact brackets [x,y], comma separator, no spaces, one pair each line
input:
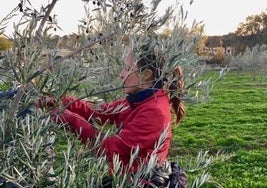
[220,17]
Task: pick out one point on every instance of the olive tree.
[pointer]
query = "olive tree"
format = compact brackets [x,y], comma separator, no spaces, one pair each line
[35,151]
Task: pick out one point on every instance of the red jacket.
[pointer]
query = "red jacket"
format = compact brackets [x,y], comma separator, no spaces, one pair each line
[139,123]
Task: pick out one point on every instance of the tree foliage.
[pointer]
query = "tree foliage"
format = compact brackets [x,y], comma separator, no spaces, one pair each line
[201,49]
[37,153]
[5,43]
[254,25]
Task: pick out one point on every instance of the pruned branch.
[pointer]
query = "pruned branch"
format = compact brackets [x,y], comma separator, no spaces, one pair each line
[45,18]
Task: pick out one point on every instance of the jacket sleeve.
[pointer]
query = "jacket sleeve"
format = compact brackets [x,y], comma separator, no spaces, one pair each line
[78,125]
[79,107]
[144,132]
[106,112]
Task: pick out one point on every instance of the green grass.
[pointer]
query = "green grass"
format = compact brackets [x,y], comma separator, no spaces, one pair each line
[234,121]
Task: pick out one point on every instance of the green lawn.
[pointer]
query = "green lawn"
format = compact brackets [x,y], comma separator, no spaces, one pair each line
[233,122]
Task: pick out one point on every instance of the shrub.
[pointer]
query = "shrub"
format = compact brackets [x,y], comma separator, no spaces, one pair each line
[252,60]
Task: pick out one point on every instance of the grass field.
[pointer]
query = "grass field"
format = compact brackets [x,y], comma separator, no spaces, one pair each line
[233,122]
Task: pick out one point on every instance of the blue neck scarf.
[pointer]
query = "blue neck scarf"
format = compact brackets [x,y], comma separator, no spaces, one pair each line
[144,94]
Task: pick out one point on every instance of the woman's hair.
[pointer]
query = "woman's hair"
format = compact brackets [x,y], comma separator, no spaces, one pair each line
[152,62]
[155,62]
[177,85]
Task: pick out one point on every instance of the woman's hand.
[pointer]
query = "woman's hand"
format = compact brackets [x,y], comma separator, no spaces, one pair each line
[46,102]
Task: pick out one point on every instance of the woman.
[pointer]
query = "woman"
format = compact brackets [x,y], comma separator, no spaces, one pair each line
[140,118]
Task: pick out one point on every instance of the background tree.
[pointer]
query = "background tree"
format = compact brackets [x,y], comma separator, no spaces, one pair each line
[252,32]
[218,56]
[5,43]
[254,25]
[249,34]
[201,49]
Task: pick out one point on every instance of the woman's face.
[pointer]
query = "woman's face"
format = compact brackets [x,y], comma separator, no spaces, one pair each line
[130,75]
